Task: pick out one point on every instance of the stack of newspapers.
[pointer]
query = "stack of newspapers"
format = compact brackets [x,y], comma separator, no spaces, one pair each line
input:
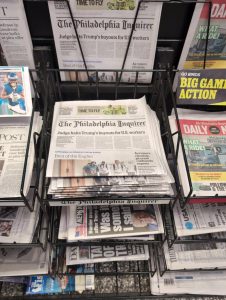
[107,149]
[204,142]
[135,222]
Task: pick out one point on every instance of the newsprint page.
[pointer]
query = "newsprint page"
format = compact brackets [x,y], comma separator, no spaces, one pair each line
[104,28]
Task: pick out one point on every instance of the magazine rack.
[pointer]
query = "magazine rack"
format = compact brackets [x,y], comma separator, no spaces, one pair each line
[184,199]
[158,94]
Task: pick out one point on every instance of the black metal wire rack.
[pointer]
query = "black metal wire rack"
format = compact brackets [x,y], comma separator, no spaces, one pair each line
[158,92]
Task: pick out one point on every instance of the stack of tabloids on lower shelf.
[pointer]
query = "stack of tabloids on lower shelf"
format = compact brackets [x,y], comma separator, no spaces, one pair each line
[107,149]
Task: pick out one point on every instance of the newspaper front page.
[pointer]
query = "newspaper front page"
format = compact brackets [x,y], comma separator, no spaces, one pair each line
[104,28]
[195,255]
[192,282]
[95,254]
[15,37]
[197,219]
[204,139]
[96,222]
[96,138]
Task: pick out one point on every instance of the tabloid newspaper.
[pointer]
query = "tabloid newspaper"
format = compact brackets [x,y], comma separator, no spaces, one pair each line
[17,224]
[62,234]
[104,28]
[204,139]
[96,138]
[94,222]
[13,145]
[197,219]
[15,37]
[195,255]
[193,52]
[192,282]
[24,261]
[95,254]
[15,93]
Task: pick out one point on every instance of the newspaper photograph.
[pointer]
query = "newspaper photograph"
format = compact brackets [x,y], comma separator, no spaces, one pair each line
[104,28]
[95,254]
[102,138]
[15,92]
[95,222]
[195,219]
[195,255]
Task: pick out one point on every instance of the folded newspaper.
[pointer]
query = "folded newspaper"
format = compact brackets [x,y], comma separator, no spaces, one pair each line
[24,261]
[204,140]
[13,145]
[94,222]
[103,253]
[195,219]
[192,282]
[18,224]
[107,149]
[196,255]
[104,29]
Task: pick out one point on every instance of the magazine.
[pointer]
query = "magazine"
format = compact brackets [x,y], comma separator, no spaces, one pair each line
[42,285]
[196,255]
[94,222]
[118,145]
[195,219]
[15,92]
[193,53]
[204,140]
[104,28]
[95,254]
[15,38]
[201,87]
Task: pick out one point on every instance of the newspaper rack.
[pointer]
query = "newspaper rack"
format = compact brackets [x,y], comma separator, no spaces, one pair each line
[171,236]
[188,198]
[60,91]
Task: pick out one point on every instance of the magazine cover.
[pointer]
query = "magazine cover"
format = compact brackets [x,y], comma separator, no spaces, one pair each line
[205,147]
[193,53]
[113,221]
[15,92]
[48,285]
[201,87]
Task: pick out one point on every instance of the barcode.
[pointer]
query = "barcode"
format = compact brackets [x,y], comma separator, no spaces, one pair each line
[168,281]
[89,282]
[42,265]
[212,224]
